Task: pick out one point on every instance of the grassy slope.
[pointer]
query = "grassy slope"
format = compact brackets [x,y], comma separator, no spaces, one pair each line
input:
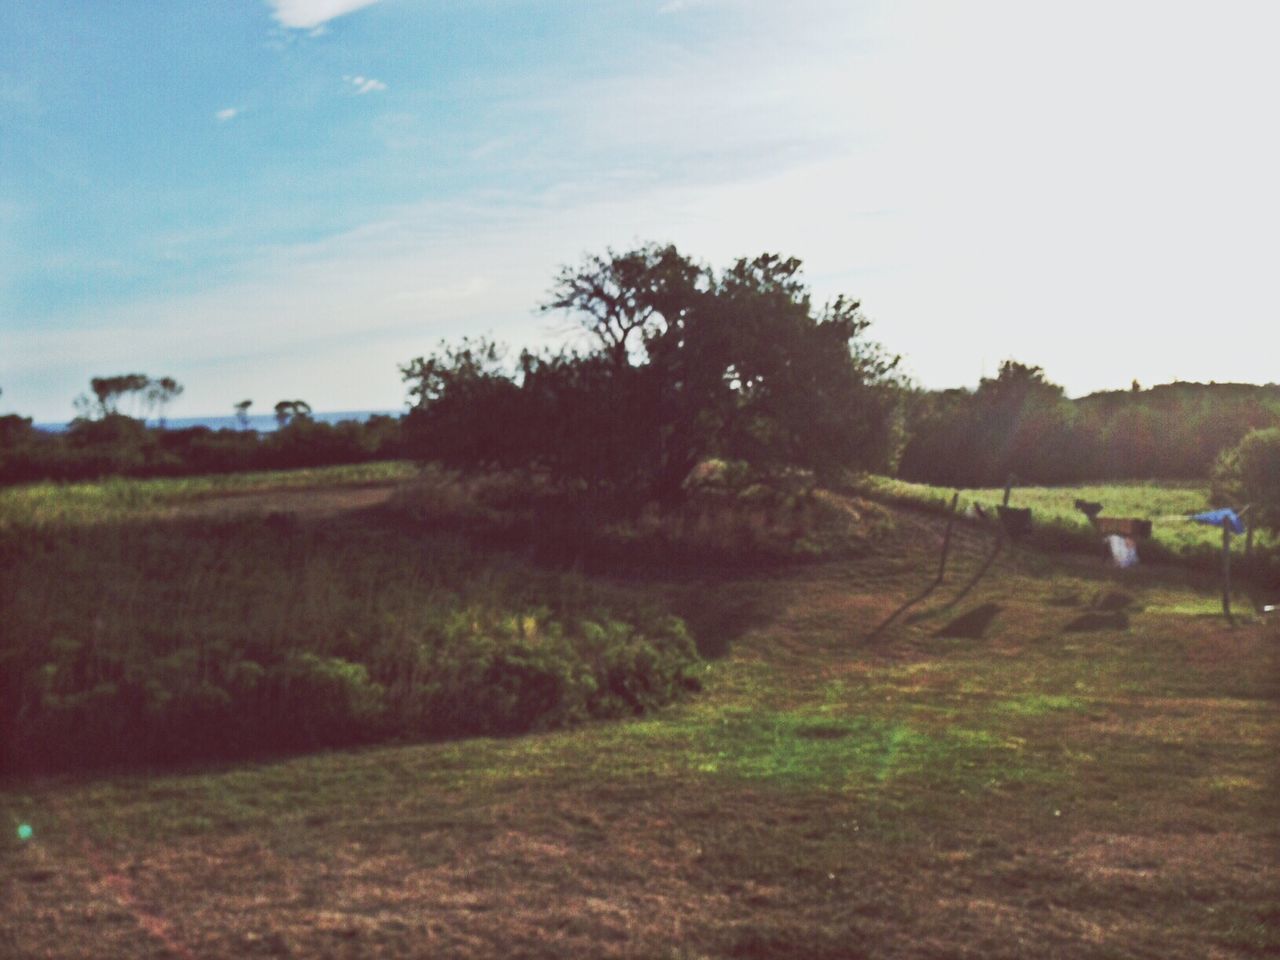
[1031,792]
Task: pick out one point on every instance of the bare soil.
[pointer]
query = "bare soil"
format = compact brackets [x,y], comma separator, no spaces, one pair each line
[310,503]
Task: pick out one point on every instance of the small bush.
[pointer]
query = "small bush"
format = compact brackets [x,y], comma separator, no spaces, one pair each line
[1250,473]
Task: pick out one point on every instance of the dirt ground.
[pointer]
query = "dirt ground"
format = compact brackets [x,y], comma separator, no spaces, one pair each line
[309,503]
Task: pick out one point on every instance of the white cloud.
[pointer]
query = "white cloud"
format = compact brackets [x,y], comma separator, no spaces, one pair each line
[309,14]
[228,113]
[961,171]
[365,84]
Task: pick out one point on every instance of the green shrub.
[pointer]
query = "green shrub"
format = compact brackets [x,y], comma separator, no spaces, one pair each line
[132,642]
[727,517]
[1250,473]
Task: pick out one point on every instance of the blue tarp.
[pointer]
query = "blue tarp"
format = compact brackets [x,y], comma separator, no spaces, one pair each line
[1217,518]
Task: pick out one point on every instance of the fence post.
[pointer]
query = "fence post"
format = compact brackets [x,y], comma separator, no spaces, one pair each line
[1226,570]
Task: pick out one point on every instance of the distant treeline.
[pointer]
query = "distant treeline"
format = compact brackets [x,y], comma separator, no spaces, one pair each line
[1020,423]
[1016,423]
[118,445]
[682,364]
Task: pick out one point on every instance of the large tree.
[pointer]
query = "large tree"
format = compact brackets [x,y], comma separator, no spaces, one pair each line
[623,300]
[685,364]
[288,411]
[242,413]
[160,393]
[110,392]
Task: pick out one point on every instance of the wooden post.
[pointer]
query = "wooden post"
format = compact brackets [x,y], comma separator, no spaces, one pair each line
[1226,569]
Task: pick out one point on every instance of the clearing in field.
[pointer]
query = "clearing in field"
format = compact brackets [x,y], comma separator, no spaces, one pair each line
[1055,760]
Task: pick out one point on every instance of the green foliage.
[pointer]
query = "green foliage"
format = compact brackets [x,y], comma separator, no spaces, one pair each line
[289,411]
[483,673]
[132,639]
[466,409]
[728,517]
[1249,473]
[688,364]
[141,394]
[1022,424]
[118,445]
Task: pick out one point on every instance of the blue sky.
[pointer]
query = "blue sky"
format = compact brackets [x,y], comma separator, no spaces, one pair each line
[287,198]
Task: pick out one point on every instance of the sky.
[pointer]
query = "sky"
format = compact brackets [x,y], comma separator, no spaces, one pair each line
[274,199]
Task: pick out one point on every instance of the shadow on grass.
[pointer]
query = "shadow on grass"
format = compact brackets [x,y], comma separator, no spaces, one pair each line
[972,625]
[973,581]
[1105,620]
[718,614]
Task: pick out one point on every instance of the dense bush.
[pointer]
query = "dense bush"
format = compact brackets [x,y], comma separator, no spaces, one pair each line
[135,641]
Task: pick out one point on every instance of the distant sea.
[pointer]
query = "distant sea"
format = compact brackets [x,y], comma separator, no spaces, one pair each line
[261,422]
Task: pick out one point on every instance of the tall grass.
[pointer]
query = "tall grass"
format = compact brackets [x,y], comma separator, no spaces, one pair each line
[127,638]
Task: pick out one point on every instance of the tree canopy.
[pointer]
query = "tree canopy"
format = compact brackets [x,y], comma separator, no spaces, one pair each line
[1249,474]
[128,394]
[682,363]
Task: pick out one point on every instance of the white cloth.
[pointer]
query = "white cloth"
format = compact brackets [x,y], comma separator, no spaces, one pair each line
[1124,552]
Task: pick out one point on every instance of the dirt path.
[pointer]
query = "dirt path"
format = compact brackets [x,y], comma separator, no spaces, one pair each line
[310,503]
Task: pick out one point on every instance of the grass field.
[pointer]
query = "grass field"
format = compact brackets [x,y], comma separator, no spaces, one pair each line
[44,504]
[1166,504]
[987,778]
